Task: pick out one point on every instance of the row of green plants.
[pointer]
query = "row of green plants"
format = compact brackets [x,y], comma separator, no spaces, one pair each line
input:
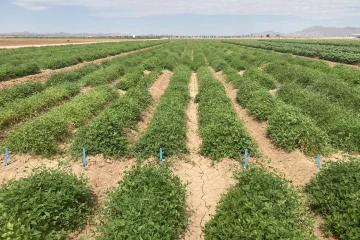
[332,42]
[341,125]
[106,134]
[20,91]
[340,129]
[287,126]
[26,61]
[42,134]
[71,76]
[222,133]
[198,57]
[240,58]
[338,91]
[149,203]
[22,109]
[262,205]
[350,55]
[334,193]
[167,128]
[342,45]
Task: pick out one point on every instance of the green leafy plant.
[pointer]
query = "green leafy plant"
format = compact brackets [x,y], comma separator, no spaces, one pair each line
[48,204]
[149,203]
[289,128]
[335,194]
[261,205]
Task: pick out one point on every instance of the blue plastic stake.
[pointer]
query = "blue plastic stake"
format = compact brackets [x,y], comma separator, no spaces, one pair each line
[84,156]
[277,87]
[318,161]
[147,85]
[161,156]
[81,85]
[163,68]
[6,160]
[246,158]
[115,85]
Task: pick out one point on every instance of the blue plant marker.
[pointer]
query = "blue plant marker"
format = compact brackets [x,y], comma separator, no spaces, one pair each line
[246,158]
[115,85]
[161,156]
[277,87]
[163,68]
[318,161]
[81,85]
[147,85]
[84,156]
[6,160]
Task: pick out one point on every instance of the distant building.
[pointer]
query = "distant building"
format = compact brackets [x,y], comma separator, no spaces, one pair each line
[356,35]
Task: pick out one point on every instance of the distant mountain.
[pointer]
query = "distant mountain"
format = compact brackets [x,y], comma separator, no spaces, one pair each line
[63,34]
[319,31]
[264,34]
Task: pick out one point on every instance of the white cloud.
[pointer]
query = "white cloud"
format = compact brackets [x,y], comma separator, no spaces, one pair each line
[138,8]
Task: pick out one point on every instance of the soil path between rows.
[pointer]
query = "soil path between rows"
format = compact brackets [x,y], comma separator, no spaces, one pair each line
[206,183]
[294,165]
[42,77]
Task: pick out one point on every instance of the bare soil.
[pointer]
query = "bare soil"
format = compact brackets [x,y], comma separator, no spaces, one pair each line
[207,180]
[42,77]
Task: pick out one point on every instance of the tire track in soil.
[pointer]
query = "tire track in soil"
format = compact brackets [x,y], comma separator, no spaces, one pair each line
[44,74]
[206,183]
[295,165]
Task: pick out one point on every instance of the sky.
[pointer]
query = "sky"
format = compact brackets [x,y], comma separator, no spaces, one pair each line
[175,17]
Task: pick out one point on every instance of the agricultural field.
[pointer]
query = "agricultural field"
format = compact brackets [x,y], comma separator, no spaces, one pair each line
[184,139]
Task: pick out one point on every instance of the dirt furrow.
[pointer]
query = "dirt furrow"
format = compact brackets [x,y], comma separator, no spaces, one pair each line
[206,183]
[42,77]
